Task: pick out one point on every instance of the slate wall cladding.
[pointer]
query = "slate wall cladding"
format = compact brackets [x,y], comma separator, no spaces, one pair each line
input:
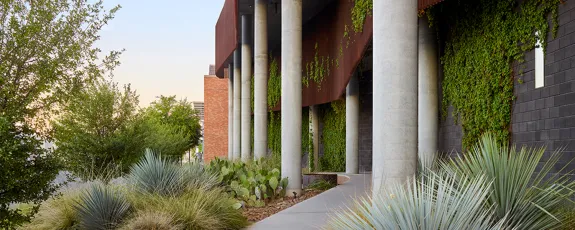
[546,116]
[365,122]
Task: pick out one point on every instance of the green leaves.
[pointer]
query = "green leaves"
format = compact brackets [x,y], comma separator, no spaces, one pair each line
[486,38]
[361,9]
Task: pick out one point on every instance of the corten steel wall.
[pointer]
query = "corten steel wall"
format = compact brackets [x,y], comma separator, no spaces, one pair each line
[215,117]
[226,34]
[326,30]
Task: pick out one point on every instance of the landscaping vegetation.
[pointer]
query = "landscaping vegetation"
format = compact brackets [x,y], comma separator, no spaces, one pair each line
[492,186]
[158,192]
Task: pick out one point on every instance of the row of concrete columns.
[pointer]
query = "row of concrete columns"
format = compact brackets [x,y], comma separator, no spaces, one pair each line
[405,105]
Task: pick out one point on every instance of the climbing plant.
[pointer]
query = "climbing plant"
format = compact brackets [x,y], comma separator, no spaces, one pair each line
[317,69]
[274,83]
[333,137]
[485,39]
[359,12]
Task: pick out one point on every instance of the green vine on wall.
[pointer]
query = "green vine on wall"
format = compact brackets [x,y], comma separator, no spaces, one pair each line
[486,38]
[274,83]
[317,69]
[359,12]
[333,137]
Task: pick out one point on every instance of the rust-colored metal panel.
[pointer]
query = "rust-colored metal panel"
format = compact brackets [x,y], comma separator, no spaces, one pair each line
[226,34]
[424,4]
[327,30]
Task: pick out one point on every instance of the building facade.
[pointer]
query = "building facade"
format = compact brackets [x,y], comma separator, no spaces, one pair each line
[386,69]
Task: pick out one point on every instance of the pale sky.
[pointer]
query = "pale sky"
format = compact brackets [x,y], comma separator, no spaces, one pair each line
[169,45]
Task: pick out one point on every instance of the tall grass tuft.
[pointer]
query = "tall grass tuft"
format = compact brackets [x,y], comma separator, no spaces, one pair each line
[433,201]
[195,209]
[531,197]
[101,207]
[57,212]
[152,220]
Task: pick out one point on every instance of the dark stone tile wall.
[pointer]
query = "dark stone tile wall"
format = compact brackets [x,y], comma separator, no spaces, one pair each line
[365,122]
[546,116]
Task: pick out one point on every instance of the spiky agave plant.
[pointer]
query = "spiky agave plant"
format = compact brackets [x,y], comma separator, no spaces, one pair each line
[154,174]
[530,197]
[101,207]
[433,201]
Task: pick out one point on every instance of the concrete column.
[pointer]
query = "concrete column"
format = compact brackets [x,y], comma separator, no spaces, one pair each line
[261,79]
[314,130]
[246,85]
[230,112]
[428,104]
[291,66]
[394,92]
[237,76]
[352,126]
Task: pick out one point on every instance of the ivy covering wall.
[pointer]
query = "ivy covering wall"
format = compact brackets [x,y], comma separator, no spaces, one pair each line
[483,41]
[333,137]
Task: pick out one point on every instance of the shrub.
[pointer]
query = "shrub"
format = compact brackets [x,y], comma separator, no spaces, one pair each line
[57,212]
[249,182]
[152,220]
[435,201]
[195,209]
[530,197]
[101,207]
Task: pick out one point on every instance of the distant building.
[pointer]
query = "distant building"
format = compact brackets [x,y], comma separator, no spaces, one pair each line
[212,70]
[199,106]
[216,117]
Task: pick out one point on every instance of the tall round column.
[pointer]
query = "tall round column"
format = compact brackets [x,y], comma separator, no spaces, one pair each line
[394,92]
[428,104]
[237,76]
[352,126]
[246,85]
[230,111]
[291,66]
[314,131]
[261,79]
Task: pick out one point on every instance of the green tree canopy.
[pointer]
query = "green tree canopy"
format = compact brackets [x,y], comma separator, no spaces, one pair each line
[97,130]
[46,57]
[180,115]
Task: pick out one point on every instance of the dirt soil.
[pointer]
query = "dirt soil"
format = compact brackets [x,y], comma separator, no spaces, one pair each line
[256,214]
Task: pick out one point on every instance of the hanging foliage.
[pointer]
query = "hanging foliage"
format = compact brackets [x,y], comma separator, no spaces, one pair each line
[485,38]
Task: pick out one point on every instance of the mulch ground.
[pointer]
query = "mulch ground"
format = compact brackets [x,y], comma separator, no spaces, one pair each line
[256,214]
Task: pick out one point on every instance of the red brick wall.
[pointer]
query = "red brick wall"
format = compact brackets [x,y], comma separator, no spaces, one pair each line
[215,117]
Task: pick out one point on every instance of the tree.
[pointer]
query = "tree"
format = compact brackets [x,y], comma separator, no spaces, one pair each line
[46,57]
[98,131]
[178,114]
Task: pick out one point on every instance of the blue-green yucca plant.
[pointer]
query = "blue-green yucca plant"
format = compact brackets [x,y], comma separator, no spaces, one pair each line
[433,201]
[157,175]
[101,207]
[154,174]
[528,196]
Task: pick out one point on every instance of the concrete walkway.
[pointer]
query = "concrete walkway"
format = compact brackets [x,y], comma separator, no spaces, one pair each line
[314,213]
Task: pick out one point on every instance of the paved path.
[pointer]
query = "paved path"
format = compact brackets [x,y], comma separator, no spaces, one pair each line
[314,212]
